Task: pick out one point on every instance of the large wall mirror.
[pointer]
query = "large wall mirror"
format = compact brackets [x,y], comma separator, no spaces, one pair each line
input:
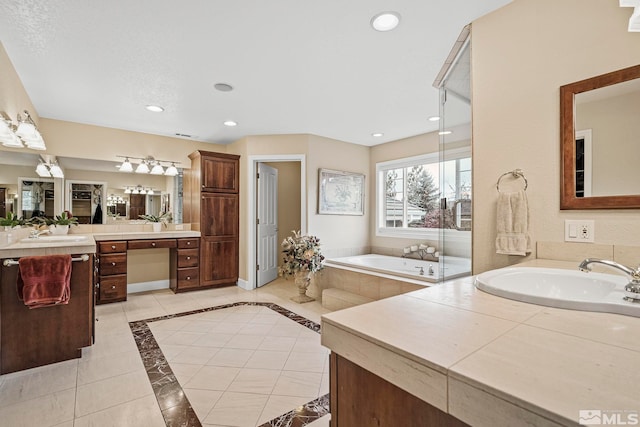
[93,190]
[600,128]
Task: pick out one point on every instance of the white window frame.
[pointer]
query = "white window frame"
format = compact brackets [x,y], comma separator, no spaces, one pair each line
[381,167]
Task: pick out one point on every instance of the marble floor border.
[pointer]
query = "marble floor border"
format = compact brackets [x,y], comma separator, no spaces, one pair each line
[174,404]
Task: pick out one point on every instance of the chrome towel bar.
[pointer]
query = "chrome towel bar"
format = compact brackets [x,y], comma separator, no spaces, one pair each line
[10,262]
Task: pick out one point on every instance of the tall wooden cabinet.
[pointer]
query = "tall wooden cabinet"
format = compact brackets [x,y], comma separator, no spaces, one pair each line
[211,205]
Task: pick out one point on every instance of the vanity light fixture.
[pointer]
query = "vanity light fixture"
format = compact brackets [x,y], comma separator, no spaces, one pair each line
[24,134]
[139,189]
[8,138]
[126,166]
[49,168]
[55,170]
[171,170]
[157,169]
[385,21]
[28,132]
[43,170]
[148,165]
[142,167]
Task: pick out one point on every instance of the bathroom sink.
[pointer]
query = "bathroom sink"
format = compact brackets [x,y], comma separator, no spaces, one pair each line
[56,239]
[560,288]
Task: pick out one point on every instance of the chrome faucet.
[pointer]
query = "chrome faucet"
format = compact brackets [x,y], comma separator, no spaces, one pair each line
[632,289]
[421,271]
[35,233]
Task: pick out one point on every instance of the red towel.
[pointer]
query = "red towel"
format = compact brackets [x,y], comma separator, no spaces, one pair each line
[44,281]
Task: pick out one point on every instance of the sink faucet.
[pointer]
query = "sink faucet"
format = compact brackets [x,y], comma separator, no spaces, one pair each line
[35,233]
[632,289]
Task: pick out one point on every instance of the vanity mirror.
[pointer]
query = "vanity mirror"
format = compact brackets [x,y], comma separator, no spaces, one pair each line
[81,178]
[599,130]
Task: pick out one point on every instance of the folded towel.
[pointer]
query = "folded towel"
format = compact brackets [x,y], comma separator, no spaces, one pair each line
[512,224]
[44,280]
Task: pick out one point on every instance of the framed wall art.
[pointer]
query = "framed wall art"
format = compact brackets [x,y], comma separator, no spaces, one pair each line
[340,193]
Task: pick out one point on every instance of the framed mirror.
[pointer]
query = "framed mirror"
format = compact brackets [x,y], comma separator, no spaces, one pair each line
[600,147]
[36,198]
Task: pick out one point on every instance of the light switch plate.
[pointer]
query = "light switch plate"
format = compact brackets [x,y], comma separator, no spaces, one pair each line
[579,230]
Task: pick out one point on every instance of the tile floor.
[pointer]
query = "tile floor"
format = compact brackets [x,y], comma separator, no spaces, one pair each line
[239,366]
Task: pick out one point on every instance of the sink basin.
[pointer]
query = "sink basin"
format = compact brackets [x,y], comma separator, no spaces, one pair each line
[560,288]
[56,239]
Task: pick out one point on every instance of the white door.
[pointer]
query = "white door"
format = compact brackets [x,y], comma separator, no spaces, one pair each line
[267,255]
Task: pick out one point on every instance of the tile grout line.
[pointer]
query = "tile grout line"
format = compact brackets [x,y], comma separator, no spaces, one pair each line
[166,386]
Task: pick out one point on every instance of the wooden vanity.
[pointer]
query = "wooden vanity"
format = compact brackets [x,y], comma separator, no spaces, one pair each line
[111,277]
[36,337]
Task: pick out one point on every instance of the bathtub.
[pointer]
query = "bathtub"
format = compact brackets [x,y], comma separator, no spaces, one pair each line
[407,268]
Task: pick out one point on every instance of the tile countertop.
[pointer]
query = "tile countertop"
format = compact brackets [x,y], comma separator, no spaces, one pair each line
[42,247]
[493,361]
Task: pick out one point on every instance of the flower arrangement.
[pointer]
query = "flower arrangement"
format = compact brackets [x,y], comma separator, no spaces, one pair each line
[162,218]
[300,254]
[12,220]
[65,218]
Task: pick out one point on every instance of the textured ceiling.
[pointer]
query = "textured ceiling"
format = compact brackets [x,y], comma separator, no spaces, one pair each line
[297,66]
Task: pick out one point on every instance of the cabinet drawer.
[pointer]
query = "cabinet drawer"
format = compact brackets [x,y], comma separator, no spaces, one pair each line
[188,277]
[111,247]
[113,287]
[113,264]
[188,257]
[151,244]
[188,243]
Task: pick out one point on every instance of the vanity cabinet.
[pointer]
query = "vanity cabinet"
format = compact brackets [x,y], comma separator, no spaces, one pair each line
[36,337]
[359,397]
[112,271]
[211,189]
[111,277]
[185,261]
[3,206]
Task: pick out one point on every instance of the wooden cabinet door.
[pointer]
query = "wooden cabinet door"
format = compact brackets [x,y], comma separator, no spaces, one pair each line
[3,208]
[220,175]
[136,205]
[218,261]
[219,215]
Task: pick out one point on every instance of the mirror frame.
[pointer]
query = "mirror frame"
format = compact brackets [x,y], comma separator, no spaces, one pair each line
[568,199]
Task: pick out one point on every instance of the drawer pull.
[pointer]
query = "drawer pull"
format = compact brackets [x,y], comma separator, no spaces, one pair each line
[153,243]
[188,258]
[188,277]
[113,263]
[113,246]
[188,243]
[113,286]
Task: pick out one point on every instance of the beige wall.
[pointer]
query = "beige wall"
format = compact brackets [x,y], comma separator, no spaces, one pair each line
[521,55]
[338,234]
[288,199]
[13,97]
[615,125]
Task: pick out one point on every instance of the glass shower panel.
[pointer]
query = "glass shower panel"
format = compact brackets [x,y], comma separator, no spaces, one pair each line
[456,167]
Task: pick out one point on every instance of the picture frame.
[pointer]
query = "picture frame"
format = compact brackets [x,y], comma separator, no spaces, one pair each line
[340,192]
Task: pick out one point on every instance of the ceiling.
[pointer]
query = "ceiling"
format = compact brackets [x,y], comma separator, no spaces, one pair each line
[297,66]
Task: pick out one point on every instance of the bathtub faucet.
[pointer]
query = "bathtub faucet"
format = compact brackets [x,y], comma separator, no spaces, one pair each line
[632,289]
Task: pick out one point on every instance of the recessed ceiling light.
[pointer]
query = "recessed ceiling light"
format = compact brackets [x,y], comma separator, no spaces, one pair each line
[433,118]
[230,123]
[445,132]
[377,134]
[155,108]
[385,21]
[223,87]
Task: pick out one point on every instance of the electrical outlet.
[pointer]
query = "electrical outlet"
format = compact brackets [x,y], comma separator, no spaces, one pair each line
[579,230]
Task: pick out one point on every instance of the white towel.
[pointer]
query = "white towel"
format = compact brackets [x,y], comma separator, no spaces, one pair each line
[512,224]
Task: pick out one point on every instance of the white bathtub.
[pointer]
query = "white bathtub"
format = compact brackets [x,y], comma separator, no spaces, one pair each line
[408,268]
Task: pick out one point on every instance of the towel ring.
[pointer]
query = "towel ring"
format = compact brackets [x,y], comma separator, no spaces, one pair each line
[516,173]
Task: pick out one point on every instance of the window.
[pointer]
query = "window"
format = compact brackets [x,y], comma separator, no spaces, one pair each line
[409,194]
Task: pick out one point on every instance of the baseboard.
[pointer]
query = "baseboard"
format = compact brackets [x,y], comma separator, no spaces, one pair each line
[147,286]
[243,284]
